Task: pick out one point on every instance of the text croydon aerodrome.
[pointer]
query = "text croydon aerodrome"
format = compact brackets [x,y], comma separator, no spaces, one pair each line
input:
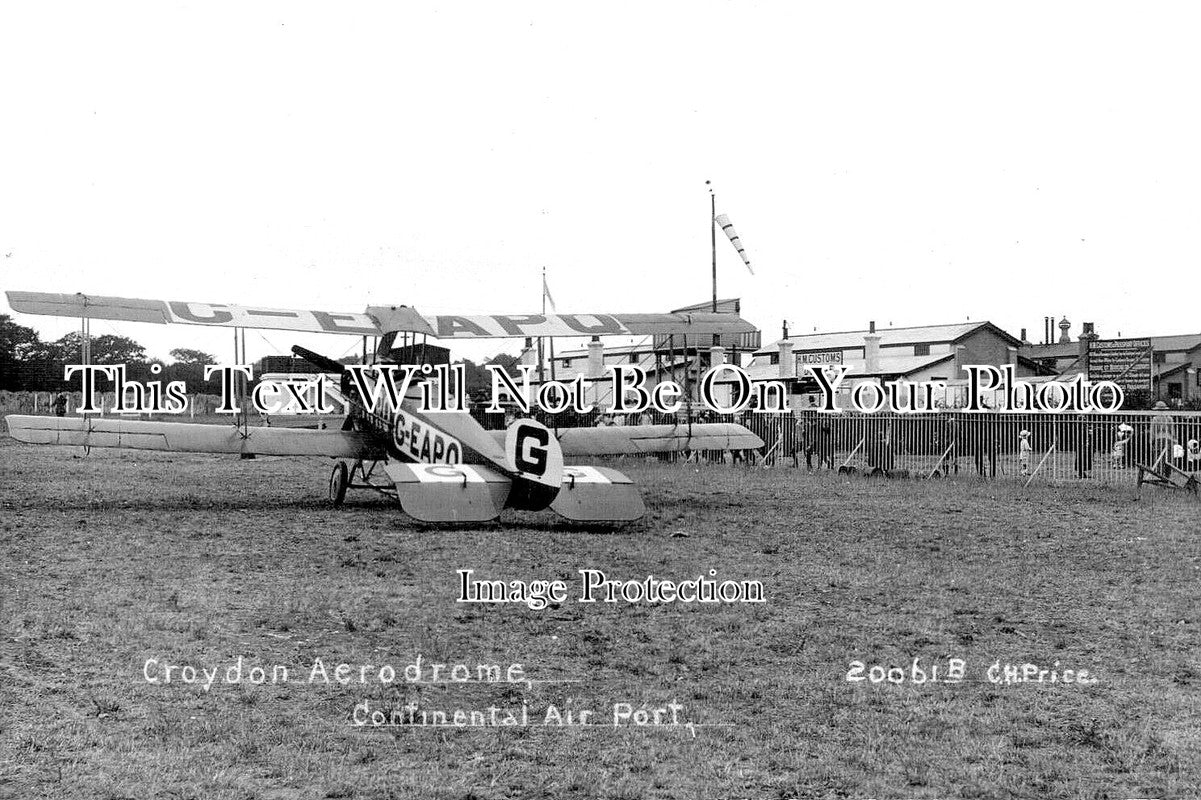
[443,388]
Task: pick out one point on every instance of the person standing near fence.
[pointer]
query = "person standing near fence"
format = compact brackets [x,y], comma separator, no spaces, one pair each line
[985,440]
[951,435]
[800,441]
[1121,445]
[60,405]
[1163,433]
[781,447]
[825,442]
[1084,447]
[1025,451]
[879,453]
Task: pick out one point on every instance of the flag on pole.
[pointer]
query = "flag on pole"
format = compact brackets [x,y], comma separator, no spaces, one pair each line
[723,222]
[546,293]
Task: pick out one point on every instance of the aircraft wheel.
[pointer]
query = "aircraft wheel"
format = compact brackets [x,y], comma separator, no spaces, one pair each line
[936,474]
[338,480]
[876,472]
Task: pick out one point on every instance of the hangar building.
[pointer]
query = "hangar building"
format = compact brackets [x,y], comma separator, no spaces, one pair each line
[926,353]
[1175,361]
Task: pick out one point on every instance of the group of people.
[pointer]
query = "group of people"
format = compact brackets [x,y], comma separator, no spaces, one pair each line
[811,437]
[1164,444]
[983,438]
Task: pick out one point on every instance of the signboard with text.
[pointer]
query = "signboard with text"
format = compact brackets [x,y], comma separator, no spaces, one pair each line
[820,359]
[1126,362]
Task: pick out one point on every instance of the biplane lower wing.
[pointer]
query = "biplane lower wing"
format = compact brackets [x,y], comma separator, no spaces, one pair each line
[184,437]
[597,494]
[449,492]
[635,439]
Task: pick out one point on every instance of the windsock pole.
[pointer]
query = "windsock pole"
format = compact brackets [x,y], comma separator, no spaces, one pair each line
[713,242]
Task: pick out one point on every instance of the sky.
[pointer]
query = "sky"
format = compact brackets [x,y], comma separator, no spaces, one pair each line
[908,163]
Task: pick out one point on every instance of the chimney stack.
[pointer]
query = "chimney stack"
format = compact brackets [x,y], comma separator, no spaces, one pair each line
[596,358]
[787,362]
[960,359]
[871,351]
[1024,342]
[785,329]
[1064,327]
[871,326]
[1087,336]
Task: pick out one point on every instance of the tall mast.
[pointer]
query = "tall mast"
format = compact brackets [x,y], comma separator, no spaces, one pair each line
[713,238]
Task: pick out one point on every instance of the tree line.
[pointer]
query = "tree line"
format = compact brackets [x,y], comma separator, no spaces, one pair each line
[29,364]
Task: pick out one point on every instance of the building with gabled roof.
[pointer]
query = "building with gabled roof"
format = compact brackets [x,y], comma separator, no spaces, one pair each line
[1175,359]
[920,353]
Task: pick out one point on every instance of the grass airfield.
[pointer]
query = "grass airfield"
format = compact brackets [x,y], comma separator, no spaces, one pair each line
[115,558]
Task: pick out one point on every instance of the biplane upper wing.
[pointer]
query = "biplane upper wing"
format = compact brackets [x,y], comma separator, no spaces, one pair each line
[376,320]
[183,437]
[502,326]
[186,313]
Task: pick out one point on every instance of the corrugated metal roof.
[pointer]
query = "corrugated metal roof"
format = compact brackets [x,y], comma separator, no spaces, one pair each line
[615,350]
[1184,342]
[1180,342]
[1056,350]
[727,306]
[889,365]
[1172,369]
[926,334]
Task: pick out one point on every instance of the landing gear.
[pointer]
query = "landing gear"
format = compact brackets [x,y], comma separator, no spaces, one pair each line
[339,479]
[359,475]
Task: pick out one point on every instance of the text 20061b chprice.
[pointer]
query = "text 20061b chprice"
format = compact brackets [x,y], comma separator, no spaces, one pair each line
[952,670]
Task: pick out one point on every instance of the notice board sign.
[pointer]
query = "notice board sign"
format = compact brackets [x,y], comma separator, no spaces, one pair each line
[822,359]
[1126,362]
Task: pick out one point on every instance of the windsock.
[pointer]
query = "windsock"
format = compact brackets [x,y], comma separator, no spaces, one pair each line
[724,223]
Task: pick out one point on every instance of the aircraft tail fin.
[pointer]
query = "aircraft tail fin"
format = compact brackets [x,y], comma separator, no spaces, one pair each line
[534,460]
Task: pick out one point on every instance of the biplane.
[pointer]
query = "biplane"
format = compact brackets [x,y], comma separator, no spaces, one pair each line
[441,466]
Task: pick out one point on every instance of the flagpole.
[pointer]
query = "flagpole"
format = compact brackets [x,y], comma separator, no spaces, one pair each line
[713,243]
[552,339]
[541,352]
[713,238]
